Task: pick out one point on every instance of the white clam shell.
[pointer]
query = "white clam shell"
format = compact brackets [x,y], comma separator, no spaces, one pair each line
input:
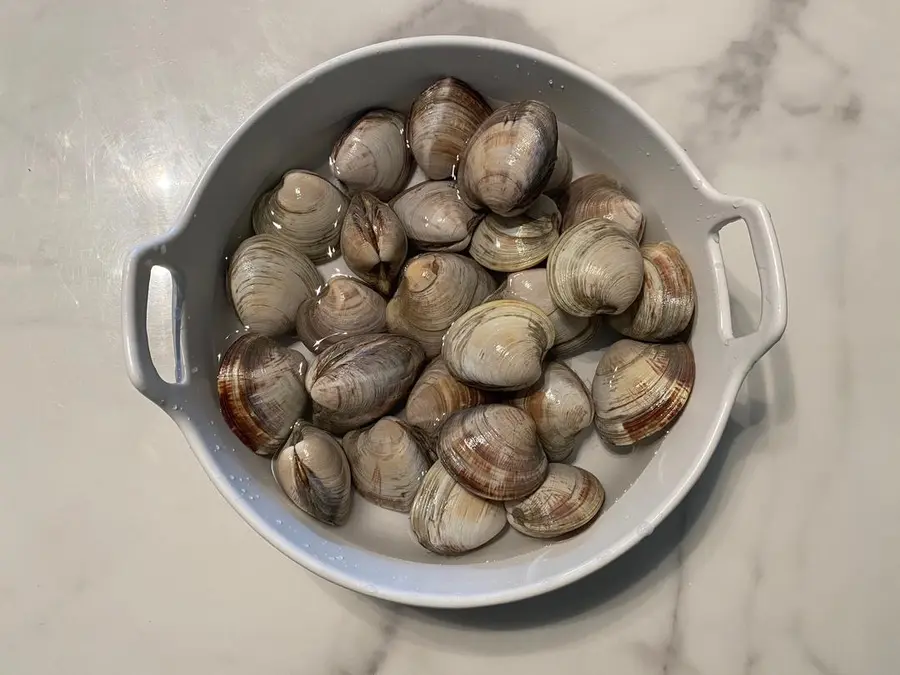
[437,394]
[313,472]
[510,158]
[388,461]
[666,303]
[561,408]
[435,216]
[518,242]
[639,389]
[597,195]
[499,345]
[373,242]
[261,394]
[572,332]
[562,172]
[493,451]
[568,499]
[595,268]
[343,307]
[442,119]
[372,155]
[307,211]
[447,519]
[268,280]
[435,289]
[357,380]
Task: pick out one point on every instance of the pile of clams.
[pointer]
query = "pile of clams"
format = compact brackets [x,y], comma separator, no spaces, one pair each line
[429,379]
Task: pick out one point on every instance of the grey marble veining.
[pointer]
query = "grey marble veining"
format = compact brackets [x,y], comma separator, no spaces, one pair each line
[120,556]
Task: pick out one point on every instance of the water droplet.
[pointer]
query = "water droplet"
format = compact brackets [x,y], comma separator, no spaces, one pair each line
[243,491]
[550,82]
[175,406]
[339,557]
[647,153]
[278,521]
[231,476]
[163,248]
[518,66]
[195,370]
[217,448]
[562,86]
[211,422]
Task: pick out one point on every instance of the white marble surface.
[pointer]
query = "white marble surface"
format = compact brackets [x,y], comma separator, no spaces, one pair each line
[119,556]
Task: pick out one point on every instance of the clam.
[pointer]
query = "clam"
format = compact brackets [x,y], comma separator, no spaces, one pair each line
[493,451]
[666,303]
[595,269]
[268,280]
[569,498]
[449,520]
[639,389]
[562,172]
[372,155]
[436,395]
[261,392]
[358,380]
[518,242]
[441,121]
[572,332]
[599,196]
[436,289]
[499,345]
[343,307]
[388,462]
[435,217]
[373,241]
[510,158]
[561,408]
[307,211]
[313,472]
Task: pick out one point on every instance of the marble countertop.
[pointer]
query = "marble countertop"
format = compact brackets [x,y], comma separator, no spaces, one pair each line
[119,555]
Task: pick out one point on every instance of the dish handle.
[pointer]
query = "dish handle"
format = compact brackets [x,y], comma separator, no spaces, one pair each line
[136,289]
[767,256]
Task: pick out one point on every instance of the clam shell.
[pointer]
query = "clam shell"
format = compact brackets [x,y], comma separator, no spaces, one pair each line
[268,280]
[436,395]
[441,121]
[435,217]
[373,242]
[372,155]
[493,451]
[358,380]
[597,195]
[572,332]
[639,389]
[448,520]
[666,303]
[388,462]
[569,498]
[261,394]
[313,472]
[561,408]
[499,345]
[307,211]
[510,158]
[435,290]
[519,242]
[595,268]
[343,307]
[562,172]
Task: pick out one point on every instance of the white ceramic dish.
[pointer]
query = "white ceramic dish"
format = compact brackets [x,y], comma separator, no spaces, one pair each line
[374,553]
